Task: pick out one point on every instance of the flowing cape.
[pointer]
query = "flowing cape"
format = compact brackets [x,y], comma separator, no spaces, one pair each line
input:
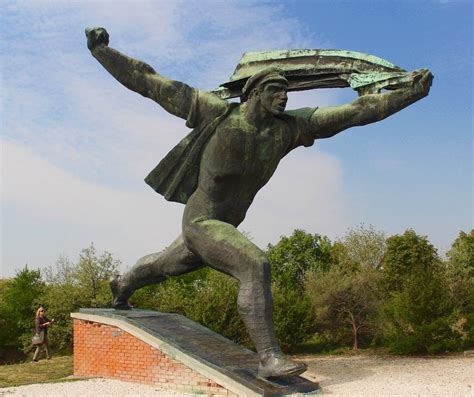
[176,176]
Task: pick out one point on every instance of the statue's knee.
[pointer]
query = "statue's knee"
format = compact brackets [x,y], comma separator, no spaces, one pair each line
[255,275]
[261,271]
[189,236]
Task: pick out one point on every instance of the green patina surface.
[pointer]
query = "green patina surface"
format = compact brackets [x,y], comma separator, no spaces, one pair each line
[285,54]
[360,80]
[308,69]
[233,151]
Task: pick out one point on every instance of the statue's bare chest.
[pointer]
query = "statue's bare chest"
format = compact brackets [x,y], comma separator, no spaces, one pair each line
[237,150]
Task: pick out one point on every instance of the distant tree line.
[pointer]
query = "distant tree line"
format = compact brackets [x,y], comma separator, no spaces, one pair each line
[362,290]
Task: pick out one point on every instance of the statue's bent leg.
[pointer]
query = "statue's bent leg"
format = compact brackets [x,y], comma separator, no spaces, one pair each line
[152,269]
[221,246]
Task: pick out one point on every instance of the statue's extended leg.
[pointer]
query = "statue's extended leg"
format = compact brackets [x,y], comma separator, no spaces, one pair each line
[223,247]
[152,269]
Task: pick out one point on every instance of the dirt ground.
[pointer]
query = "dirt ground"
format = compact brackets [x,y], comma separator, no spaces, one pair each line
[364,375]
[392,376]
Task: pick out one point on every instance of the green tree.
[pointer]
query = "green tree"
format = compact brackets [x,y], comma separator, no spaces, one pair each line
[346,297]
[293,316]
[407,257]
[93,276]
[18,307]
[460,266]
[460,270]
[363,246]
[346,305]
[293,256]
[70,286]
[62,296]
[418,316]
[291,259]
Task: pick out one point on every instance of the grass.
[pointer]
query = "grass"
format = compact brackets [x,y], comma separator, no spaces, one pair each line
[42,371]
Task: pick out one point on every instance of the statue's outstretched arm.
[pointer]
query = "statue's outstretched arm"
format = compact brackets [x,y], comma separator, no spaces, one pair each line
[174,96]
[367,109]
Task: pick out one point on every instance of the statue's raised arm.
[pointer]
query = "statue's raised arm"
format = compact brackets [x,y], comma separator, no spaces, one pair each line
[370,108]
[307,69]
[174,96]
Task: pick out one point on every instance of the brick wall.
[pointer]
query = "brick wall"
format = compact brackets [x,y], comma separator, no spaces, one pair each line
[108,352]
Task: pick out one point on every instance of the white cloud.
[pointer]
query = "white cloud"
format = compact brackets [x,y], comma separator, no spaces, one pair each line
[306,193]
[127,223]
[77,144]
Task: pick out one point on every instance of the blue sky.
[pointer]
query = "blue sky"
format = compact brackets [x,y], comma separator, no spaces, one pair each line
[76,145]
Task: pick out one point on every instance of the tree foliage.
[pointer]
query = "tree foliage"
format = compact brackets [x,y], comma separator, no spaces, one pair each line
[346,305]
[17,304]
[460,271]
[460,267]
[346,297]
[293,316]
[210,298]
[293,256]
[361,289]
[70,286]
[407,257]
[418,315]
[362,247]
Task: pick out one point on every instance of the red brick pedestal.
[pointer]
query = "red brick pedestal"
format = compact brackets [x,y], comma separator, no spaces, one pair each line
[106,351]
[172,352]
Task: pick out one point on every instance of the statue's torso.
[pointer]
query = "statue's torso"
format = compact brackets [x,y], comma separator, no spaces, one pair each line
[236,163]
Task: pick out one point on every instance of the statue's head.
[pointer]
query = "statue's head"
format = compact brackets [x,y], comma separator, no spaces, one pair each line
[269,87]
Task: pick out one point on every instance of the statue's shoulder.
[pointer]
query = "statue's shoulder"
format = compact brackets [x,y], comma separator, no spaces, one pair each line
[302,114]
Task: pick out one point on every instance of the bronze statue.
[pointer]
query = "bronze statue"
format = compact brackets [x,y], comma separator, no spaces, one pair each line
[217,170]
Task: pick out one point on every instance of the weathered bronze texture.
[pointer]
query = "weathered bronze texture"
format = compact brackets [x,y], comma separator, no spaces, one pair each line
[233,151]
[307,69]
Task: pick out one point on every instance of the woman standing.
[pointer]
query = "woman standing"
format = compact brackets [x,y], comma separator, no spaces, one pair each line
[41,326]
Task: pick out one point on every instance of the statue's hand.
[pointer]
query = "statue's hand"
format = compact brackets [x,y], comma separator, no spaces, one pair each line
[422,80]
[96,36]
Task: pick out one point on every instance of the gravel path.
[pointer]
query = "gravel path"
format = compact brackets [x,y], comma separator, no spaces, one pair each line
[393,376]
[338,376]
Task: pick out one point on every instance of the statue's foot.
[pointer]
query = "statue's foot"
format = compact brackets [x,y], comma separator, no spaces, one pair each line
[120,298]
[275,365]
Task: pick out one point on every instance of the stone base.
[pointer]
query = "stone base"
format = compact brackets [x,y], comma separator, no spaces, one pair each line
[172,352]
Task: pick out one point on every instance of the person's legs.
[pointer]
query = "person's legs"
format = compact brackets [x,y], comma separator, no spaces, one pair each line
[223,247]
[37,352]
[46,346]
[152,269]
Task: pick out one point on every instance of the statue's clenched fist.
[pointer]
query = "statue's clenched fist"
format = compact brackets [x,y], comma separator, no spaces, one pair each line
[96,36]
[422,80]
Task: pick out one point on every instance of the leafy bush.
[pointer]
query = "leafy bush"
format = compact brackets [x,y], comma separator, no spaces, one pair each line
[70,286]
[345,305]
[17,308]
[460,273]
[293,316]
[418,316]
[361,248]
[293,256]
[210,298]
[361,289]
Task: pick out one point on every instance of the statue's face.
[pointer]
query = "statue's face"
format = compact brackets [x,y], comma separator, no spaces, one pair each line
[273,97]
